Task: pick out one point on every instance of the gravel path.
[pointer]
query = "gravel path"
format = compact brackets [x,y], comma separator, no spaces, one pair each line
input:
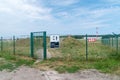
[26,73]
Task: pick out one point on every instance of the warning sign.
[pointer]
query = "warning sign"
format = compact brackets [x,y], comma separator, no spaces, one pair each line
[54,41]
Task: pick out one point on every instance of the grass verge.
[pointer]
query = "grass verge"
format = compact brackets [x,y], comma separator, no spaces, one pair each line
[11,62]
[70,57]
[110,65]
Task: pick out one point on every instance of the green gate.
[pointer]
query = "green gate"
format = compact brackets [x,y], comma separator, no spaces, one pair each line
[38,45]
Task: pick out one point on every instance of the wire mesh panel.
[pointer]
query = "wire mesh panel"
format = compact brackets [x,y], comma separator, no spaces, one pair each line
[111,41]
[102,47]
[38,45]
[70,48]
[119,44]
[15,45]
[22,45]
[6,45]
[96,49]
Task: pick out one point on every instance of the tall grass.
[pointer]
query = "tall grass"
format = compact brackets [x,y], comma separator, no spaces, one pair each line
[70,57]
[22,47]
[71,49]
[11,62]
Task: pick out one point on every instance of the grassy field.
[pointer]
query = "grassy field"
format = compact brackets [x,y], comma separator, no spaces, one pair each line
[10,61]
[21,46]
[70,57]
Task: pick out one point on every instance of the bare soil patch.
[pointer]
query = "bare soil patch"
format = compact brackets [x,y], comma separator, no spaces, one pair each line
[27,73]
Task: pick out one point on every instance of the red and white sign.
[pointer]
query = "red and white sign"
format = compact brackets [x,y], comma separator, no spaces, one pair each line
[92,40]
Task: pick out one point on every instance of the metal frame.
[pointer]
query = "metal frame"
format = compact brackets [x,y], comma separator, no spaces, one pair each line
[44,44]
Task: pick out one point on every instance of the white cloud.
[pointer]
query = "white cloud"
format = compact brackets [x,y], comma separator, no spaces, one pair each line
[63,15]
[25,9]
[106,13]
[27,14]
[6,10]
[94,24]
[87,18]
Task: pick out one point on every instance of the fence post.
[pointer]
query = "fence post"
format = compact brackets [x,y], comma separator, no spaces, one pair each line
[44,45]
[103,41]
[32,45]
[1,44]
[112,41]
[109,41]
[117,43]
[14,45]
[86,47]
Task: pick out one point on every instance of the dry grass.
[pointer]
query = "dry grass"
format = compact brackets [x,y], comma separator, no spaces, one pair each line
[70,57]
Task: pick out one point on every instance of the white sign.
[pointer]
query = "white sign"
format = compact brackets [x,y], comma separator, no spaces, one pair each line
[54,38]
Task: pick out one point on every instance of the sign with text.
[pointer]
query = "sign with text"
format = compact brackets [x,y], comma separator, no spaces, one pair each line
[92,40]
[54,41]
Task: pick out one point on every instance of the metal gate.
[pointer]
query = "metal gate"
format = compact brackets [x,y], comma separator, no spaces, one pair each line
[38,45]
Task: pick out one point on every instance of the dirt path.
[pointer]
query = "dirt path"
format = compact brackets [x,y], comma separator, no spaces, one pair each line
[26,73]
[40,53]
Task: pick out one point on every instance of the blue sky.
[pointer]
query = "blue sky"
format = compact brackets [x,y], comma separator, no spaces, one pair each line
[59,16]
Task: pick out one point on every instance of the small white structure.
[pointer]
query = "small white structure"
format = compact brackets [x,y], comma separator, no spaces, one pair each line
[54,41]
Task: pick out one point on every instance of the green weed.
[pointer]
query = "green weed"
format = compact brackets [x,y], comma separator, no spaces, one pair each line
[70,69]
[12,62]
[70,57]
[7,66]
